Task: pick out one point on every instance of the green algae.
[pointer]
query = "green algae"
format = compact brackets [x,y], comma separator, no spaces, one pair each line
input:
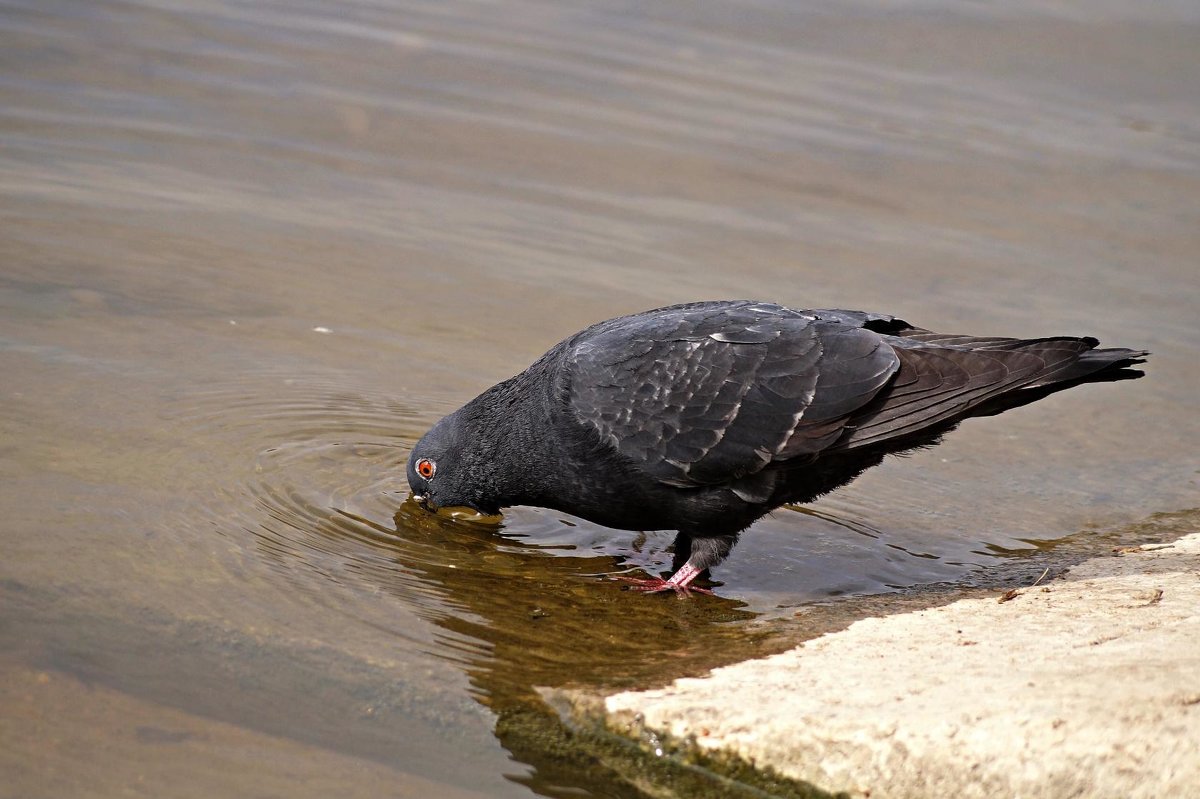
[581,751]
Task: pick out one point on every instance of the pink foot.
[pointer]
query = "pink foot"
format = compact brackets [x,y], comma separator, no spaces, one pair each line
[680,582]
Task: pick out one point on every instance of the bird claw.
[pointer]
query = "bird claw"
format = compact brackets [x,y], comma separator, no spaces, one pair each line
[655,585]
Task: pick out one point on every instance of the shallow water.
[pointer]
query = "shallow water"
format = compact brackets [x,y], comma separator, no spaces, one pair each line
[251,251]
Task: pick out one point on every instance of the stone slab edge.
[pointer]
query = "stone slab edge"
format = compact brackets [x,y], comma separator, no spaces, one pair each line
[1086,686]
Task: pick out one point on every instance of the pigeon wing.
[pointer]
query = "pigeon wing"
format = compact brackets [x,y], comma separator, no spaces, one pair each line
[711,394]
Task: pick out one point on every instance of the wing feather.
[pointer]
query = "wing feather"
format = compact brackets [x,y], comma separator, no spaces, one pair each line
[708,394]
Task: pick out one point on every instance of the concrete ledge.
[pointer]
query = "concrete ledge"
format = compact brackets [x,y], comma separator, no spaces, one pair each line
[1088,686]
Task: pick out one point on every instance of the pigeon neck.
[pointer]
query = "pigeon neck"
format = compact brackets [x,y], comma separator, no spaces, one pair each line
[510,422]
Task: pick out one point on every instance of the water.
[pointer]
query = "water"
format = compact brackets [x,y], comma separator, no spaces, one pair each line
[251,251]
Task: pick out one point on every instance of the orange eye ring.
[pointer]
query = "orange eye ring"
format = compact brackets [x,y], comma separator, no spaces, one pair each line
[426,469]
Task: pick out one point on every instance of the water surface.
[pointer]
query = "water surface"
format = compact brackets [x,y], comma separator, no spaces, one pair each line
[251,251]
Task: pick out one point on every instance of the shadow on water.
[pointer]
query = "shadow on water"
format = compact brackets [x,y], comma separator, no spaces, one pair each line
[518,617]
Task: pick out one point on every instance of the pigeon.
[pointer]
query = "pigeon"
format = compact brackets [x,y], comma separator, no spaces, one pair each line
[702,417]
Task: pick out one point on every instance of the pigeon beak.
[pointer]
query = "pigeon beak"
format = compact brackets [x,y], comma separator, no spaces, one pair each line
[423,501]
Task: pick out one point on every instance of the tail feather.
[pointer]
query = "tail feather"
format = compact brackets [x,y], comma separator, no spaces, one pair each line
[1102,364]
[1093,366]
[944,379]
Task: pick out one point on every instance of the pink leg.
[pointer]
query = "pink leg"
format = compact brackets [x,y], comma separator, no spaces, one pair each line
[679,582]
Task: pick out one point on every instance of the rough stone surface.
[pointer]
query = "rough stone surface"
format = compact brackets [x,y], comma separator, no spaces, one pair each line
[1088,686]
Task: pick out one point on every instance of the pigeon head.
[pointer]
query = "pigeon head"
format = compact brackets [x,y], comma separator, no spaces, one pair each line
[446,468]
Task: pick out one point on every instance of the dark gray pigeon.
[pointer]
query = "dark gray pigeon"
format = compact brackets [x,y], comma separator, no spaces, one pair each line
[703,417]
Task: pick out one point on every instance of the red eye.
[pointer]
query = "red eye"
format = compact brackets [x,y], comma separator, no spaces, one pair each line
[426,468]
